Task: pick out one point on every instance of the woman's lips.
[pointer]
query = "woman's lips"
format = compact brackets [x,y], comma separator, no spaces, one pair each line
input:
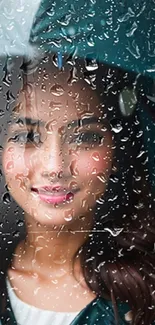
[56,195]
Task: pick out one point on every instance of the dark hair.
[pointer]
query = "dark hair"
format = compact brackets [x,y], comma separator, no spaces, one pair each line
[118,259]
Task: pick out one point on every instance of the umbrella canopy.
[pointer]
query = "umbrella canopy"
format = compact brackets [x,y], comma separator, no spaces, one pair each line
[121,33]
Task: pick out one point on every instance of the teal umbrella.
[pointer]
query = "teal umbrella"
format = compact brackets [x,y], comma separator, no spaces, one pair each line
[121,33]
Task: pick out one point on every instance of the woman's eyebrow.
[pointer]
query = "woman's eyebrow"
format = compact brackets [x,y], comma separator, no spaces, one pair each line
[28,121]
[84,121]
[71,124]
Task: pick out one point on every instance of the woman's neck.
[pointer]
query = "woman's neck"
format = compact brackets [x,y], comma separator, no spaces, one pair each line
[50,251]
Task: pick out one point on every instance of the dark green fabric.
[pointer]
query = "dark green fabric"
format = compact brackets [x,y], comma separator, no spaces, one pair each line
[100,312]
[121,33]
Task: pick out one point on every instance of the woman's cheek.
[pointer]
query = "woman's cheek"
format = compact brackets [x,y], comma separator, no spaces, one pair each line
[15,161]
[94,162]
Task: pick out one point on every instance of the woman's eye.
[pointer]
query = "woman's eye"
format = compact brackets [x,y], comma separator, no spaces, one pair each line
[26,138]
[91,138]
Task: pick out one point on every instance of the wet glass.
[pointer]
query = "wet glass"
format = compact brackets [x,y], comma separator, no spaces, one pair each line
[77,163]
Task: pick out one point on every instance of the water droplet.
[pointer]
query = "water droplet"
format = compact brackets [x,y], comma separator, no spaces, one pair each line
[84,203]
[43,88]
[1,113]
[55,106]
[134,50]
[94,171]
[7,79]
[59,258]
[57,90]
[90,40]
[73,185]
[45,76]
[114,232]
[73,168]
[139,134]
[102,177]
[73,77]
[113,178]
[125,139]
[49,127]
[116,125]
[68,214]
[36,291]
[113,198]
[9,165]
[16,234]
[100,252]
[10,149]
[132,29]
[139,205]
[65,20]
[126,16]
[20,223]
[91,65]
[54,281]
[69,197]
[9,98]
[82,218]
[22,180]
[90,80]
[141,154]
[16,110]
[68,218]
[6,198]
[96,156]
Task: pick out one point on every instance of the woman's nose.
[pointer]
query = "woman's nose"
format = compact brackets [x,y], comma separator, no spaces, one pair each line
[52,156]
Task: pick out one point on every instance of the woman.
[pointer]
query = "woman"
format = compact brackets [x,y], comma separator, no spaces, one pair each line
[77,167]
[75,161]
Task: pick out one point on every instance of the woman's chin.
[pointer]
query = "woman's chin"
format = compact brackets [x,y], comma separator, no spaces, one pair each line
[69,212]
[50,215]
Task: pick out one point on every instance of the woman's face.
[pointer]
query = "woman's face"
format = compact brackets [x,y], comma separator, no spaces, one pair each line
[58,153]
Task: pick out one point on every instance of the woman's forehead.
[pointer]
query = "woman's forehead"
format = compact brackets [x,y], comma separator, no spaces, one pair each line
[48,94]
[60,110]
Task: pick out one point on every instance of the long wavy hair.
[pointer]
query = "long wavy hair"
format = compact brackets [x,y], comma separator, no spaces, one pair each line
[118,258]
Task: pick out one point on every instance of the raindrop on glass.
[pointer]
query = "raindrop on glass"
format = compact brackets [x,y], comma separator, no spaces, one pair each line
[6,198]
[116,125]
[57,90]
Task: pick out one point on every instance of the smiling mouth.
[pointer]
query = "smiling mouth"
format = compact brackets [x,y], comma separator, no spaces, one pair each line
[55,197]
